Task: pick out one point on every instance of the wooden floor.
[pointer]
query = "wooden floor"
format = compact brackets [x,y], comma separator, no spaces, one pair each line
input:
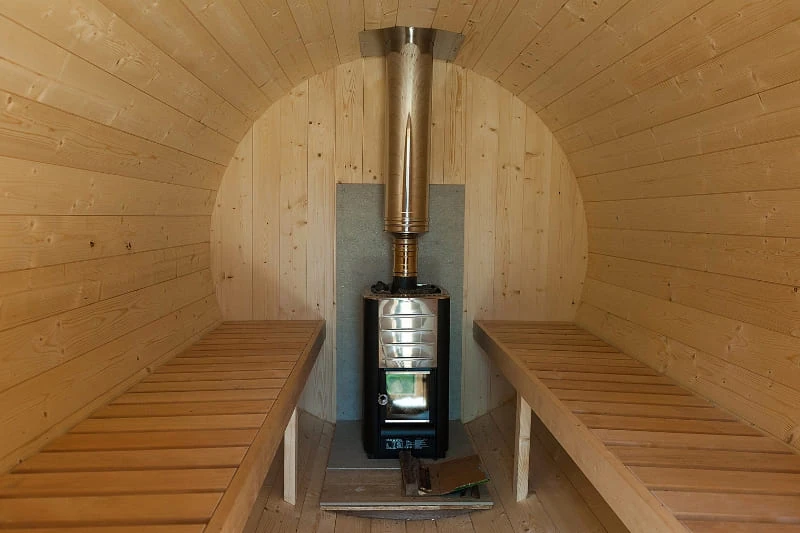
[713,472]
[556,505]
[176,452]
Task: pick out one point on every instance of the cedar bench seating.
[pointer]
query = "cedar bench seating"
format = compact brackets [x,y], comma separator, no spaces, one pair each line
[664,459]
[183,451]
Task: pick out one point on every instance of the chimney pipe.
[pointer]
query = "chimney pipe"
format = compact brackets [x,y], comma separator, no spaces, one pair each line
[409,55]
[409,69]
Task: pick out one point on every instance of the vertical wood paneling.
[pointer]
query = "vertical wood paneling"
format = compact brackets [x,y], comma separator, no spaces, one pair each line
[536,216]
[321,247]
[231,232]
[480,205]
[349,122]
[509,268]
[267,135]
[438,122]
[491,141]
[375,141]
[455,144]
[294,204]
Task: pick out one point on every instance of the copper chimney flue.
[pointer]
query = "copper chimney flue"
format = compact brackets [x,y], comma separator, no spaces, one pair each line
[409,55]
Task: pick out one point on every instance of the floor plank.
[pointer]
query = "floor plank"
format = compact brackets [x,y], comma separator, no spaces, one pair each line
[270,514]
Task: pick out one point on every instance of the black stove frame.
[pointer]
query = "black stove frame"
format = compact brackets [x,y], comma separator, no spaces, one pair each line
[383,437]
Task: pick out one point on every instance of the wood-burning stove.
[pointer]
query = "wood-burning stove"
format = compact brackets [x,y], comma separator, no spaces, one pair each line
[406,372]
[407,325]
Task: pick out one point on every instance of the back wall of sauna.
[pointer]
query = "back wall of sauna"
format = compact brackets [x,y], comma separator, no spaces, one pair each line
[273,229]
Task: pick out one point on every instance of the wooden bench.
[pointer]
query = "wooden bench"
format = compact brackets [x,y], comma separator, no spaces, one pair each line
[183,451]
[663,458]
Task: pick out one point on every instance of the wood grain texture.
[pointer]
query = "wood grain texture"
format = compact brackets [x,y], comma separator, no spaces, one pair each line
[703,141]
[687,107]
[556,505]
[160,468]
[522,448]
[635,505]
[327,131]
[667,458]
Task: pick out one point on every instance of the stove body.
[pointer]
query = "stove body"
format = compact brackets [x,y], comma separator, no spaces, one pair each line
[406,373]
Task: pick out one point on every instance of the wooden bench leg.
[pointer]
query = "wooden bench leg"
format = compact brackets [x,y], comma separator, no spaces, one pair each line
[522,448]
[290,460]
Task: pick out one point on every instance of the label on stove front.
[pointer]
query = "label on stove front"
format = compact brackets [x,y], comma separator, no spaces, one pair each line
[408,443]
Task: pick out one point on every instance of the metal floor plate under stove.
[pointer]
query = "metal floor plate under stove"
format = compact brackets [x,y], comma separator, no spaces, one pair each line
[372,487]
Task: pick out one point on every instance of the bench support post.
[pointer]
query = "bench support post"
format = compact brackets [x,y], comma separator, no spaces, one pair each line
[522,448]
[290,460]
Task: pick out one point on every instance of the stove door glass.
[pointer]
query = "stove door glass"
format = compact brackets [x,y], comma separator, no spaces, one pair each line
[408,394]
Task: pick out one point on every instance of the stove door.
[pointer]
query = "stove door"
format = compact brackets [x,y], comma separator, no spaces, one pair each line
[406,396]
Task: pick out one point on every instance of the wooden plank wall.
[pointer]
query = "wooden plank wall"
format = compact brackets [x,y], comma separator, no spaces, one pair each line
[688,166]
[273,230]
[679,117]
[104,214]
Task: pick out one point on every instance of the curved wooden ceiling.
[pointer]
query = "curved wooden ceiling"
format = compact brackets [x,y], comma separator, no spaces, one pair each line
[595,70]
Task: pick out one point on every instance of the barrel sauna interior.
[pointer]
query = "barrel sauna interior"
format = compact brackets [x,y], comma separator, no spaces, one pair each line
[629,165]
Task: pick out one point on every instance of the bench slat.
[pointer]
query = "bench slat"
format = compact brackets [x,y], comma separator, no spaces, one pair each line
[197,396]
[691,479]
[660,439]
[204,384]
[666,425]
[714,459]
[230,375]
[169,423]
[603,377]
[116,482]
[152,459]
[732,507]
[120,510]
[644,388]
[697,526]
[152,440]
[184,409]
[580,407]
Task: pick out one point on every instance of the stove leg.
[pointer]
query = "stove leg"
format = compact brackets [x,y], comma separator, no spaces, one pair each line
[522,448]
[290,460]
